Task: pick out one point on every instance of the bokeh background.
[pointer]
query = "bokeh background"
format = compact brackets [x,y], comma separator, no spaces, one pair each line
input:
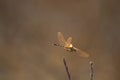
[28,28]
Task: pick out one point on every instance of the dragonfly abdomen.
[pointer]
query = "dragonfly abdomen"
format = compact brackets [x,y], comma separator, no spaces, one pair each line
[58,45]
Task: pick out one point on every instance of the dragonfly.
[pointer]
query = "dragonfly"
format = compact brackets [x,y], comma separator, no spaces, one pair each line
[68,46]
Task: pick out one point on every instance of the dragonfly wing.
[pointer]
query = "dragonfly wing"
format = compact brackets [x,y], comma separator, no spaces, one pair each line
[61,39]
[69,40]
[82,53]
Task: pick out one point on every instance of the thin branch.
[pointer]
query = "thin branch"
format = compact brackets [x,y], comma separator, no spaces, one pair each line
[91,71]
[67,70]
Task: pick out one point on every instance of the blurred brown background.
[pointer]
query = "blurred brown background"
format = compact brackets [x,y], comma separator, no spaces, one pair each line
[28,28]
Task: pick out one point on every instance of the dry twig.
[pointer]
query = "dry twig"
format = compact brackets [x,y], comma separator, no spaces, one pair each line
[67,70]
[91,71]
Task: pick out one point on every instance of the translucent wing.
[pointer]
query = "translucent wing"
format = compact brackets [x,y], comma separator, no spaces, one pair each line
[69,40]
[61,39]
[82,53]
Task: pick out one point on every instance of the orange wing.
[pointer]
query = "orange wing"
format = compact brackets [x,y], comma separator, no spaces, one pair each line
[82,53]
[69,40]
[61,39]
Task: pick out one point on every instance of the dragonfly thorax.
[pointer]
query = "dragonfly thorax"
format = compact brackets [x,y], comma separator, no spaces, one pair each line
[68,46]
